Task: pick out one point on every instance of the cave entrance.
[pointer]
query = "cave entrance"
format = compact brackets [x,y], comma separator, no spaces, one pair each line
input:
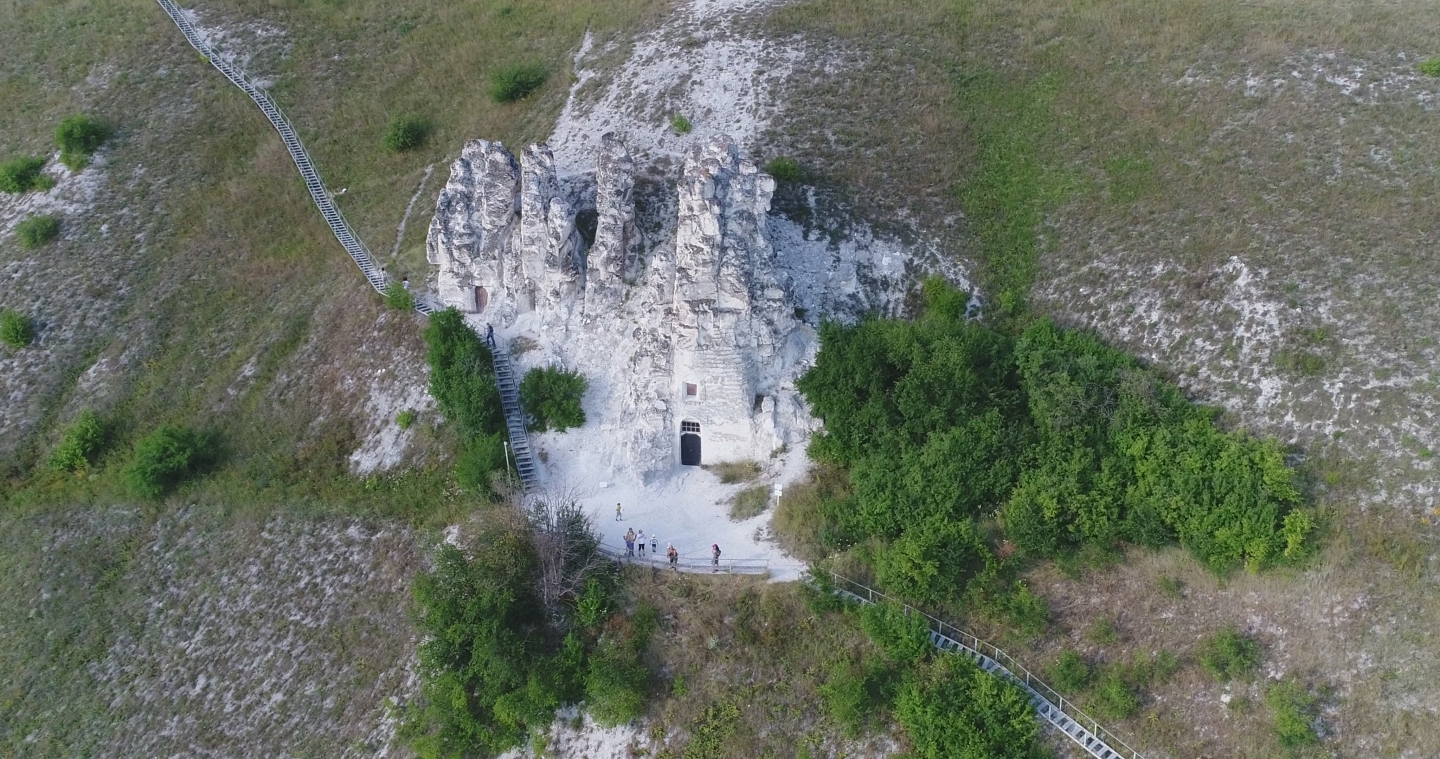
[690,444]
[482,299]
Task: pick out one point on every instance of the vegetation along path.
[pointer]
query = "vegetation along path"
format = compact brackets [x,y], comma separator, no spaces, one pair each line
[318,192]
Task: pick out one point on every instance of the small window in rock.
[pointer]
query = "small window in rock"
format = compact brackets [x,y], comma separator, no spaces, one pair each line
[692,389]
[690,427]
[759,402]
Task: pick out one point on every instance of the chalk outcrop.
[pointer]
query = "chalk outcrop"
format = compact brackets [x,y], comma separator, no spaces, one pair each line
[692,360]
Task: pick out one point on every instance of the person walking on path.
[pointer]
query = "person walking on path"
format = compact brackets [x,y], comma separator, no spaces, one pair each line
[715,557]
[489,328]
[629,542]
[654,546]
[618,518]
[640,538]
[674,557]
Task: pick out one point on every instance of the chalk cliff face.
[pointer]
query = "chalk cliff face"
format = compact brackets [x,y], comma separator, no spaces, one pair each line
[704,339]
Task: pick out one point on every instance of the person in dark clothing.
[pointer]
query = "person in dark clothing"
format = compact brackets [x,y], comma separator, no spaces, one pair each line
[715,557]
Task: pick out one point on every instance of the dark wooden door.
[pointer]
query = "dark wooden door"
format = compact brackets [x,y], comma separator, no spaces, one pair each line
[690,449]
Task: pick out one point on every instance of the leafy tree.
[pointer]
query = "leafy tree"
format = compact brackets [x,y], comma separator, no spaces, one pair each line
[165,458]
[462,378]
[551,396]
[82,439]
[487,667]
[934,561]
[952,709]
[399,298]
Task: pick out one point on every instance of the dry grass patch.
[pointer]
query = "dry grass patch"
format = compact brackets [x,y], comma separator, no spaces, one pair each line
[750,502]
[731,472]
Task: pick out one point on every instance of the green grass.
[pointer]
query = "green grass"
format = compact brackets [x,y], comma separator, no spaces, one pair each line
[1291,711]
[1429,67]
[406,418]
[731,472]
[36,231]
[406,132]
[78,137]
[16,329]
[680,123]
[750,502]
[516,82]
[21,175]
[1229,654]
[784,169]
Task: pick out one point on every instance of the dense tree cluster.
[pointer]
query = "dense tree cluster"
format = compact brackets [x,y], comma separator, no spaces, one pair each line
[943,422]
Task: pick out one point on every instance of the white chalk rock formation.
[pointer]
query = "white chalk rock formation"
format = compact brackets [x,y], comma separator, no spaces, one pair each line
[696,360]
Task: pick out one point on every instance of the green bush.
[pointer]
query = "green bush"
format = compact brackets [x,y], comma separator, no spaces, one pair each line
[680,124]
[406,132]
[487,673]
[1070,673]
[783,169]
[81,440]
[933,562]
[405,418]
[1429,67]
[1292,713]
[481,462]
[1229,654]
[163,459]
[1080,447]
[855,693]
[35,231]
[551,396]
[515,82]
[462,377]
[903,636]
[16,329]
[23,175]
[617,682]
[953,709]
[399,298]
[78,137]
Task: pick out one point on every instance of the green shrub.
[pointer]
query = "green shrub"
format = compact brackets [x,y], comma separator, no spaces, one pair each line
[1026,611]
[933,562]
[462,377]
[750,502]
[1113,698]
[1292,713]
[23,175]
[398,297]
[551,396]
[710,735]
[81,440]
[616,685]
[406,132]
[952,709]
[731,472]
[16,329]
[783,169]
[78,137]
[680,124]
[35,231]
[163,459]
[1429,67]
[903,636]
[515,82]
[405,418]
[487,673]
[1070,673]
[1229,654]
[855,693]
[481,462]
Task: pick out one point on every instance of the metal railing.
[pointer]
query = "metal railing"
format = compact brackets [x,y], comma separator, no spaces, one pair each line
[690,565]
[514,415]
[1055,708]
[324,201]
